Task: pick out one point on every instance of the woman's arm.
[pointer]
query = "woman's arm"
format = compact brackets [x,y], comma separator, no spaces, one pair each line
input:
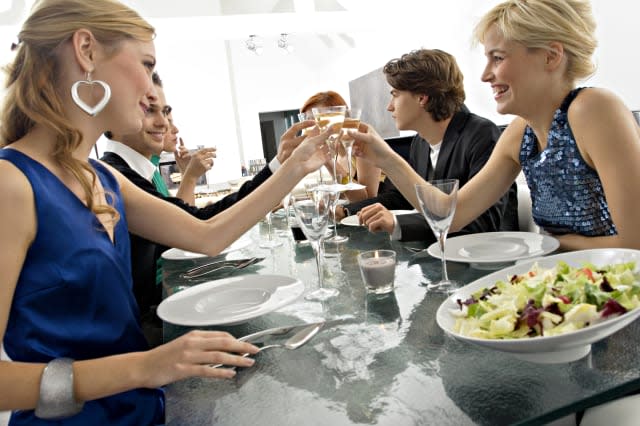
[184,357]
[609,140]
[369,176]
[480,193]
[147,215]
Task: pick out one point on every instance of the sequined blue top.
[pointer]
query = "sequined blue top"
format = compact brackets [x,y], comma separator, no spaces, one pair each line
[566,193]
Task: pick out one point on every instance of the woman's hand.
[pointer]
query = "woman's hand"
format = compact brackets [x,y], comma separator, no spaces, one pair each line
[370,146]
[182,156]
[191,355]
[290,139]
[313,152]
[200,162]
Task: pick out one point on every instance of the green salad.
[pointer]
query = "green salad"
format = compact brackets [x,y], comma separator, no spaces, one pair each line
[548,302]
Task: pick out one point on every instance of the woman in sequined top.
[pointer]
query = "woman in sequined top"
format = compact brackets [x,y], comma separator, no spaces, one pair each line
[579,149]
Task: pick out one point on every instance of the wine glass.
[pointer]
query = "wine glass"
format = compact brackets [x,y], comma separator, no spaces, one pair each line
[351,122]
[313,217]
[438,204]
[334,200]
[326,117]
[270,242]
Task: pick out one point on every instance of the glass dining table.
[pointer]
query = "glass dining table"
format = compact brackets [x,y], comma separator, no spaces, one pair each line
[383,360]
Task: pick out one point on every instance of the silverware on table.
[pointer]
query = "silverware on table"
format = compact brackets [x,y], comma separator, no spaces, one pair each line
[293,342]
[415,250]
[208,268]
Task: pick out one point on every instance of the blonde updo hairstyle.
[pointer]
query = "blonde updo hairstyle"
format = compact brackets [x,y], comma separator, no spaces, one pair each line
[33,92]
[536,23]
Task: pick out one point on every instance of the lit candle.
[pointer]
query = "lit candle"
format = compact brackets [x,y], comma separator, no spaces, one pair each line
[378,270]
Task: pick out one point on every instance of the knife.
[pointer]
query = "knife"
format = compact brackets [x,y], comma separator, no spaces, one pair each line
[278,331]
[201,270]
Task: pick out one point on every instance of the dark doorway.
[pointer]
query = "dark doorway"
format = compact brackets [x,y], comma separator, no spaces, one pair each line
[272,127]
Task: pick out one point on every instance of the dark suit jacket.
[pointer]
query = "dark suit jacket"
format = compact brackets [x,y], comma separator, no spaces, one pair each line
[466,147]
[145,253]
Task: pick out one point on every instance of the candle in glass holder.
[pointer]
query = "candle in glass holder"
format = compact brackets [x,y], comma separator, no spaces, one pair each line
[378,268]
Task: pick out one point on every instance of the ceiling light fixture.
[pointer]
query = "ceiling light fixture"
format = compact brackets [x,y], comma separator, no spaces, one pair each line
[254,45]
[283,43]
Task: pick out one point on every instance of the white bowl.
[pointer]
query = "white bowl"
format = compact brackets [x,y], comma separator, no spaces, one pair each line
[545,349]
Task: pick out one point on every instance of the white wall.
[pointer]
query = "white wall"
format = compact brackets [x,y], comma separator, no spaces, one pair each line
[218,87]
[205,83]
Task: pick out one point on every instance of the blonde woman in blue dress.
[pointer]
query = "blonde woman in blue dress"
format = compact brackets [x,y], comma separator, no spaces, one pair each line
[68,319]
[579,149]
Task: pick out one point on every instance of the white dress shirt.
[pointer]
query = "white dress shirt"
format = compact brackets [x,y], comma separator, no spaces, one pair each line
[138,162]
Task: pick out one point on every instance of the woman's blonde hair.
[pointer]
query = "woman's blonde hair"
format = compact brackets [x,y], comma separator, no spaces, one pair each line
[536,23]
[33,92]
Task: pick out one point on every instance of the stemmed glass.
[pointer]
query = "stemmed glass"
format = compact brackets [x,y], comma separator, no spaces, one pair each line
[334,198]
[326,117]
[351,122]
[270,242]
[438,204]
[313,216]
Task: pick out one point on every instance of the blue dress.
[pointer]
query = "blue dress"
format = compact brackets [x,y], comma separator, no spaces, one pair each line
[566,193]
[74,296]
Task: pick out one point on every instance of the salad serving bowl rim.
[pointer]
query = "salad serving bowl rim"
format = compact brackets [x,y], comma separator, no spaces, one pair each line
[546,349]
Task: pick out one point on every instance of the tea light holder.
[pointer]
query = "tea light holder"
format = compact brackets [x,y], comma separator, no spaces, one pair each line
[378,269]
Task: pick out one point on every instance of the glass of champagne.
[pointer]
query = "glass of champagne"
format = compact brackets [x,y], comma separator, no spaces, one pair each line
[313,216]
[326,117]
[438,204]
[351,122]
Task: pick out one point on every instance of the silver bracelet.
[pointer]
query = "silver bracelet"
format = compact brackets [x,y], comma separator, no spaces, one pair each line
[56,400]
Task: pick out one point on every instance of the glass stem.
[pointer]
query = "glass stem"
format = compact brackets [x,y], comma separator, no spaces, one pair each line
[349,151]
[335,167]
[335,222]
[317,248]
[269,224]
[441,239]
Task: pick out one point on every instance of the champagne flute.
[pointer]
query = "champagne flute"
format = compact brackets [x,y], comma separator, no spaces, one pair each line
[438,204]
[334,199]
[270,242]
[313,216]
[326,117]
[351,122]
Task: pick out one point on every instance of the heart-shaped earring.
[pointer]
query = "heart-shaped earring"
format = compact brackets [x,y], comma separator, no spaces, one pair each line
[91,110]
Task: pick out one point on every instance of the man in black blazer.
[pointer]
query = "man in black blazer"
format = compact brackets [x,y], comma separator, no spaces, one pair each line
[451,142]
[131,154]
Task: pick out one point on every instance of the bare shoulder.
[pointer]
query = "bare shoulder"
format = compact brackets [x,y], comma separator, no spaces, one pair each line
[511,139]
[594,105]
[17,210]
[14,185]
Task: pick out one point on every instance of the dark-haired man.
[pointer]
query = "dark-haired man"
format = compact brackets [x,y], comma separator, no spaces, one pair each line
[427,96]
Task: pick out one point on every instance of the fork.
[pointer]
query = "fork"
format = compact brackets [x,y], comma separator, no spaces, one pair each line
[415,250]
[217,266]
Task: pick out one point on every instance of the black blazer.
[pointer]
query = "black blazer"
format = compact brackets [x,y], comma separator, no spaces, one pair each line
[145,253]
[466,147]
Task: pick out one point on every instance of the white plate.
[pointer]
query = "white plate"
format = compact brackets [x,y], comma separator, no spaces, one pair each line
[352,220]
[545,349]
[230,300]
[495,247]
[178,254]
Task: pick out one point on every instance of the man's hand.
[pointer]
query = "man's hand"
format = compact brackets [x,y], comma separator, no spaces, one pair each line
[377,218]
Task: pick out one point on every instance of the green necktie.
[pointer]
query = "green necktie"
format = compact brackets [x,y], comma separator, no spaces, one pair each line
[157,179]
[161,186]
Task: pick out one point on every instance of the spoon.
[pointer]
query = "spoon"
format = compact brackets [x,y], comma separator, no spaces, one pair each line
[293,342]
